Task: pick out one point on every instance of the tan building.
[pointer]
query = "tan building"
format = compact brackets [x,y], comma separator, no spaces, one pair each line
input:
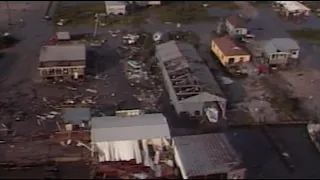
[228,52]
[62,61]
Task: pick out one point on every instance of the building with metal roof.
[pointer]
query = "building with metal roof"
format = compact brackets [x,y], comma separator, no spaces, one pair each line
[294,7]
[207,155]
[280,50]
[62,53]
[145,126]
[62,61]
[117,138]
[192,88]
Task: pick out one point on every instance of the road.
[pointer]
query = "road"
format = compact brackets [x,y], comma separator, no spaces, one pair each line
[20,62]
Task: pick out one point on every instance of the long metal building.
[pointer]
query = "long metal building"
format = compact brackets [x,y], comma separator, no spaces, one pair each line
[191,87]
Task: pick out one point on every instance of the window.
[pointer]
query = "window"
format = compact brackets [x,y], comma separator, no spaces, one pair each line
[58,71]
[51,71]
[238,31]
[44,72]
[294,52]
[230,60]
[197,113]
[241,59]
[65,71]
[273,56]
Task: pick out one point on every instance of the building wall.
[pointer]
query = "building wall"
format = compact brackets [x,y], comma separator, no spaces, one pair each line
[233,31]
[192,107]
[278,58]
[225,59]
[295,54]
[116,9]
[46,72]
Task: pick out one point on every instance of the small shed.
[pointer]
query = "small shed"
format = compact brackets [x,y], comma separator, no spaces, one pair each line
[207,156]
[76,117]
[116,7]
[63,36]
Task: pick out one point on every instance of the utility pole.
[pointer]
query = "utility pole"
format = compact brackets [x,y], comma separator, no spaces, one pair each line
[96,24]
[9,14]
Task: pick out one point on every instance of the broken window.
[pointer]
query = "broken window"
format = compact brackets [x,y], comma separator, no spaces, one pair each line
[51,71]
[44,72]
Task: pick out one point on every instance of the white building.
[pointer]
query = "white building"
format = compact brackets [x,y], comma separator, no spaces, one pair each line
[116,7]
[117,138]
[294,7]
[236,26]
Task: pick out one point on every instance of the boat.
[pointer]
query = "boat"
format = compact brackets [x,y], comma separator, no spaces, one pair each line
[314,133]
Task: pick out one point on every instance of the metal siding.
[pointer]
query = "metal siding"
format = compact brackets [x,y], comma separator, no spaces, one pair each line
[191,107]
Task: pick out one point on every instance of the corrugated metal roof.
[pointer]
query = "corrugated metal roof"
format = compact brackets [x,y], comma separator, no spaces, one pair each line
[282,44]
[62,53]
[114,128]
[173,50]
[205,154]
[189,56]
[76,115]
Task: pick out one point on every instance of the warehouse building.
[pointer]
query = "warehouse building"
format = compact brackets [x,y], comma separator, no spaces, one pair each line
[192,88]
[207,156]
[126,138]
[116,7]
[62,61]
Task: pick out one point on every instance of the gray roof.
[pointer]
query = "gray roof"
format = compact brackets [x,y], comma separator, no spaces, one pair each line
[281,44]
[62,53]
[76,115]
[205,154]
[115,128]
[115,3]
[189,58]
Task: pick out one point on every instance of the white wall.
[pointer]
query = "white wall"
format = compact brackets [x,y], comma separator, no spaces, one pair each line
[295,55]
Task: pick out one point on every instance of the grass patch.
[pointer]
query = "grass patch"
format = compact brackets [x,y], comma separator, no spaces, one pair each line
[187,12]
[176,12]
[306,34]
[84,14]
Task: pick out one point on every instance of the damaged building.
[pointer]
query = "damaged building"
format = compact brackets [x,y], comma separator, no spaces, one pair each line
[141,138]
[207,156]
[62,61]
[192,89]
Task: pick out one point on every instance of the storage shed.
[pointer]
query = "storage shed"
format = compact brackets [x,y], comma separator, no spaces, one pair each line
[191,87]
[116,7]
